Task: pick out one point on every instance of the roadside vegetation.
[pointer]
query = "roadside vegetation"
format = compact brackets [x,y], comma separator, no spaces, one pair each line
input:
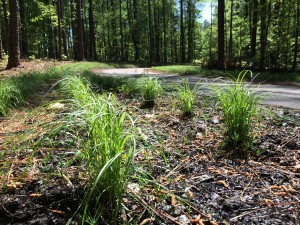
[84,148]
[260,76]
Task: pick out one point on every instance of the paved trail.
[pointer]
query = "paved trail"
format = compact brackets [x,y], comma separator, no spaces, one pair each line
[277,95]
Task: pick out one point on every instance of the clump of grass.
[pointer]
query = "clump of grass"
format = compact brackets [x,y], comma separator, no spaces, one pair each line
[10,96]
[107,152]
[151,89]
[187,98]
[239,106]
[131,88]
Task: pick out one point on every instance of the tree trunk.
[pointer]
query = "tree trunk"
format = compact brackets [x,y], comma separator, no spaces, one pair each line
[297,27]
[182,35]
[79,32]
[221,55]
[59,31]
[263,33]
[165,31]
[253,30]
[230,47]
[151,45]
[13,38]
[93,52]
[24,39]
[121,30]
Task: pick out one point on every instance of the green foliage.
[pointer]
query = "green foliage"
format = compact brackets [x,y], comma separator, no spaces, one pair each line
[107,152]
[239,106]
[187,70]
[132,88]
[10,96]
[151,89]
[104,82]
[187,97]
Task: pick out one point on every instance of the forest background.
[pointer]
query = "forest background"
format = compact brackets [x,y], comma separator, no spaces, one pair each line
[255,34]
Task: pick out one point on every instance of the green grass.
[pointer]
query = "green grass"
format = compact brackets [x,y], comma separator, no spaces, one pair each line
[239,106]
[10,96]
[79,66]
[188,70]
[260,76]
[187,98]
[107,151]
[151,89]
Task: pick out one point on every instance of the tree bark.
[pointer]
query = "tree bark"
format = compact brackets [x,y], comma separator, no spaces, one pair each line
[59,18]
[24,38]
[263,33]
[13,38]
[182,34]
[93,51]
[253,30]
[297,28]
[221,54]
[79,32]
[151,45]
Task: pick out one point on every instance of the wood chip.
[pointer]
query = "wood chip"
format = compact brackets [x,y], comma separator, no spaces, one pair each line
[35,195]
[222,182]
[146,221]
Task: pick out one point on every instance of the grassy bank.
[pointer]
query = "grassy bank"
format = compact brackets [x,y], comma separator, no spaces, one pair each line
[260,76]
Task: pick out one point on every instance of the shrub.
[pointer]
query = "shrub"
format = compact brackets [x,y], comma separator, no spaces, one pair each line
[239,106]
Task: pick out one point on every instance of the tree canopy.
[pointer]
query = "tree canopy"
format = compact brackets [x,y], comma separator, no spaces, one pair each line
[260,34]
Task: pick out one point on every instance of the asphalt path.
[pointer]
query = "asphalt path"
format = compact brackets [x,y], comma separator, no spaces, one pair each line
[276,95]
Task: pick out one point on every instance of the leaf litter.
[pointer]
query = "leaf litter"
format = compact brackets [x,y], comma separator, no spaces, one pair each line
[181,175]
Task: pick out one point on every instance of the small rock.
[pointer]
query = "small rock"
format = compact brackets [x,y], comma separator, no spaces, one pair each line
[135,187]
[183,219]
[215,120]
[175,211]
[206,178]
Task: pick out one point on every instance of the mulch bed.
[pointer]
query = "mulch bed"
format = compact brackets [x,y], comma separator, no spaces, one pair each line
[187,178]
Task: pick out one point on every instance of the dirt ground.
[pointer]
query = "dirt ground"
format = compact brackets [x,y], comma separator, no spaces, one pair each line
[187,178]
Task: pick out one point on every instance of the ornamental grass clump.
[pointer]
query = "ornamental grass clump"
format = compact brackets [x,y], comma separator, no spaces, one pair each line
[187,98]
[107,151]
[10,96]
[151,89]
[239,105]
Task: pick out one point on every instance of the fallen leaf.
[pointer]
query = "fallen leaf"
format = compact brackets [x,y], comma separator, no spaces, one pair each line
[213,223]
[35,195]
[145,221]
[268,202]
[196,220]
[222,182]
[57,211]
[173,200]
[191,194]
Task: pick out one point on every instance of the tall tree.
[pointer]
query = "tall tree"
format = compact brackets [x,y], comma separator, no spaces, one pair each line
[263,33]
[24,38]
[253,28]
[297,28]
[13,36]
[93,51]
[151,42]
[182,33]
[79,32]
[59,29]
[221,39]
